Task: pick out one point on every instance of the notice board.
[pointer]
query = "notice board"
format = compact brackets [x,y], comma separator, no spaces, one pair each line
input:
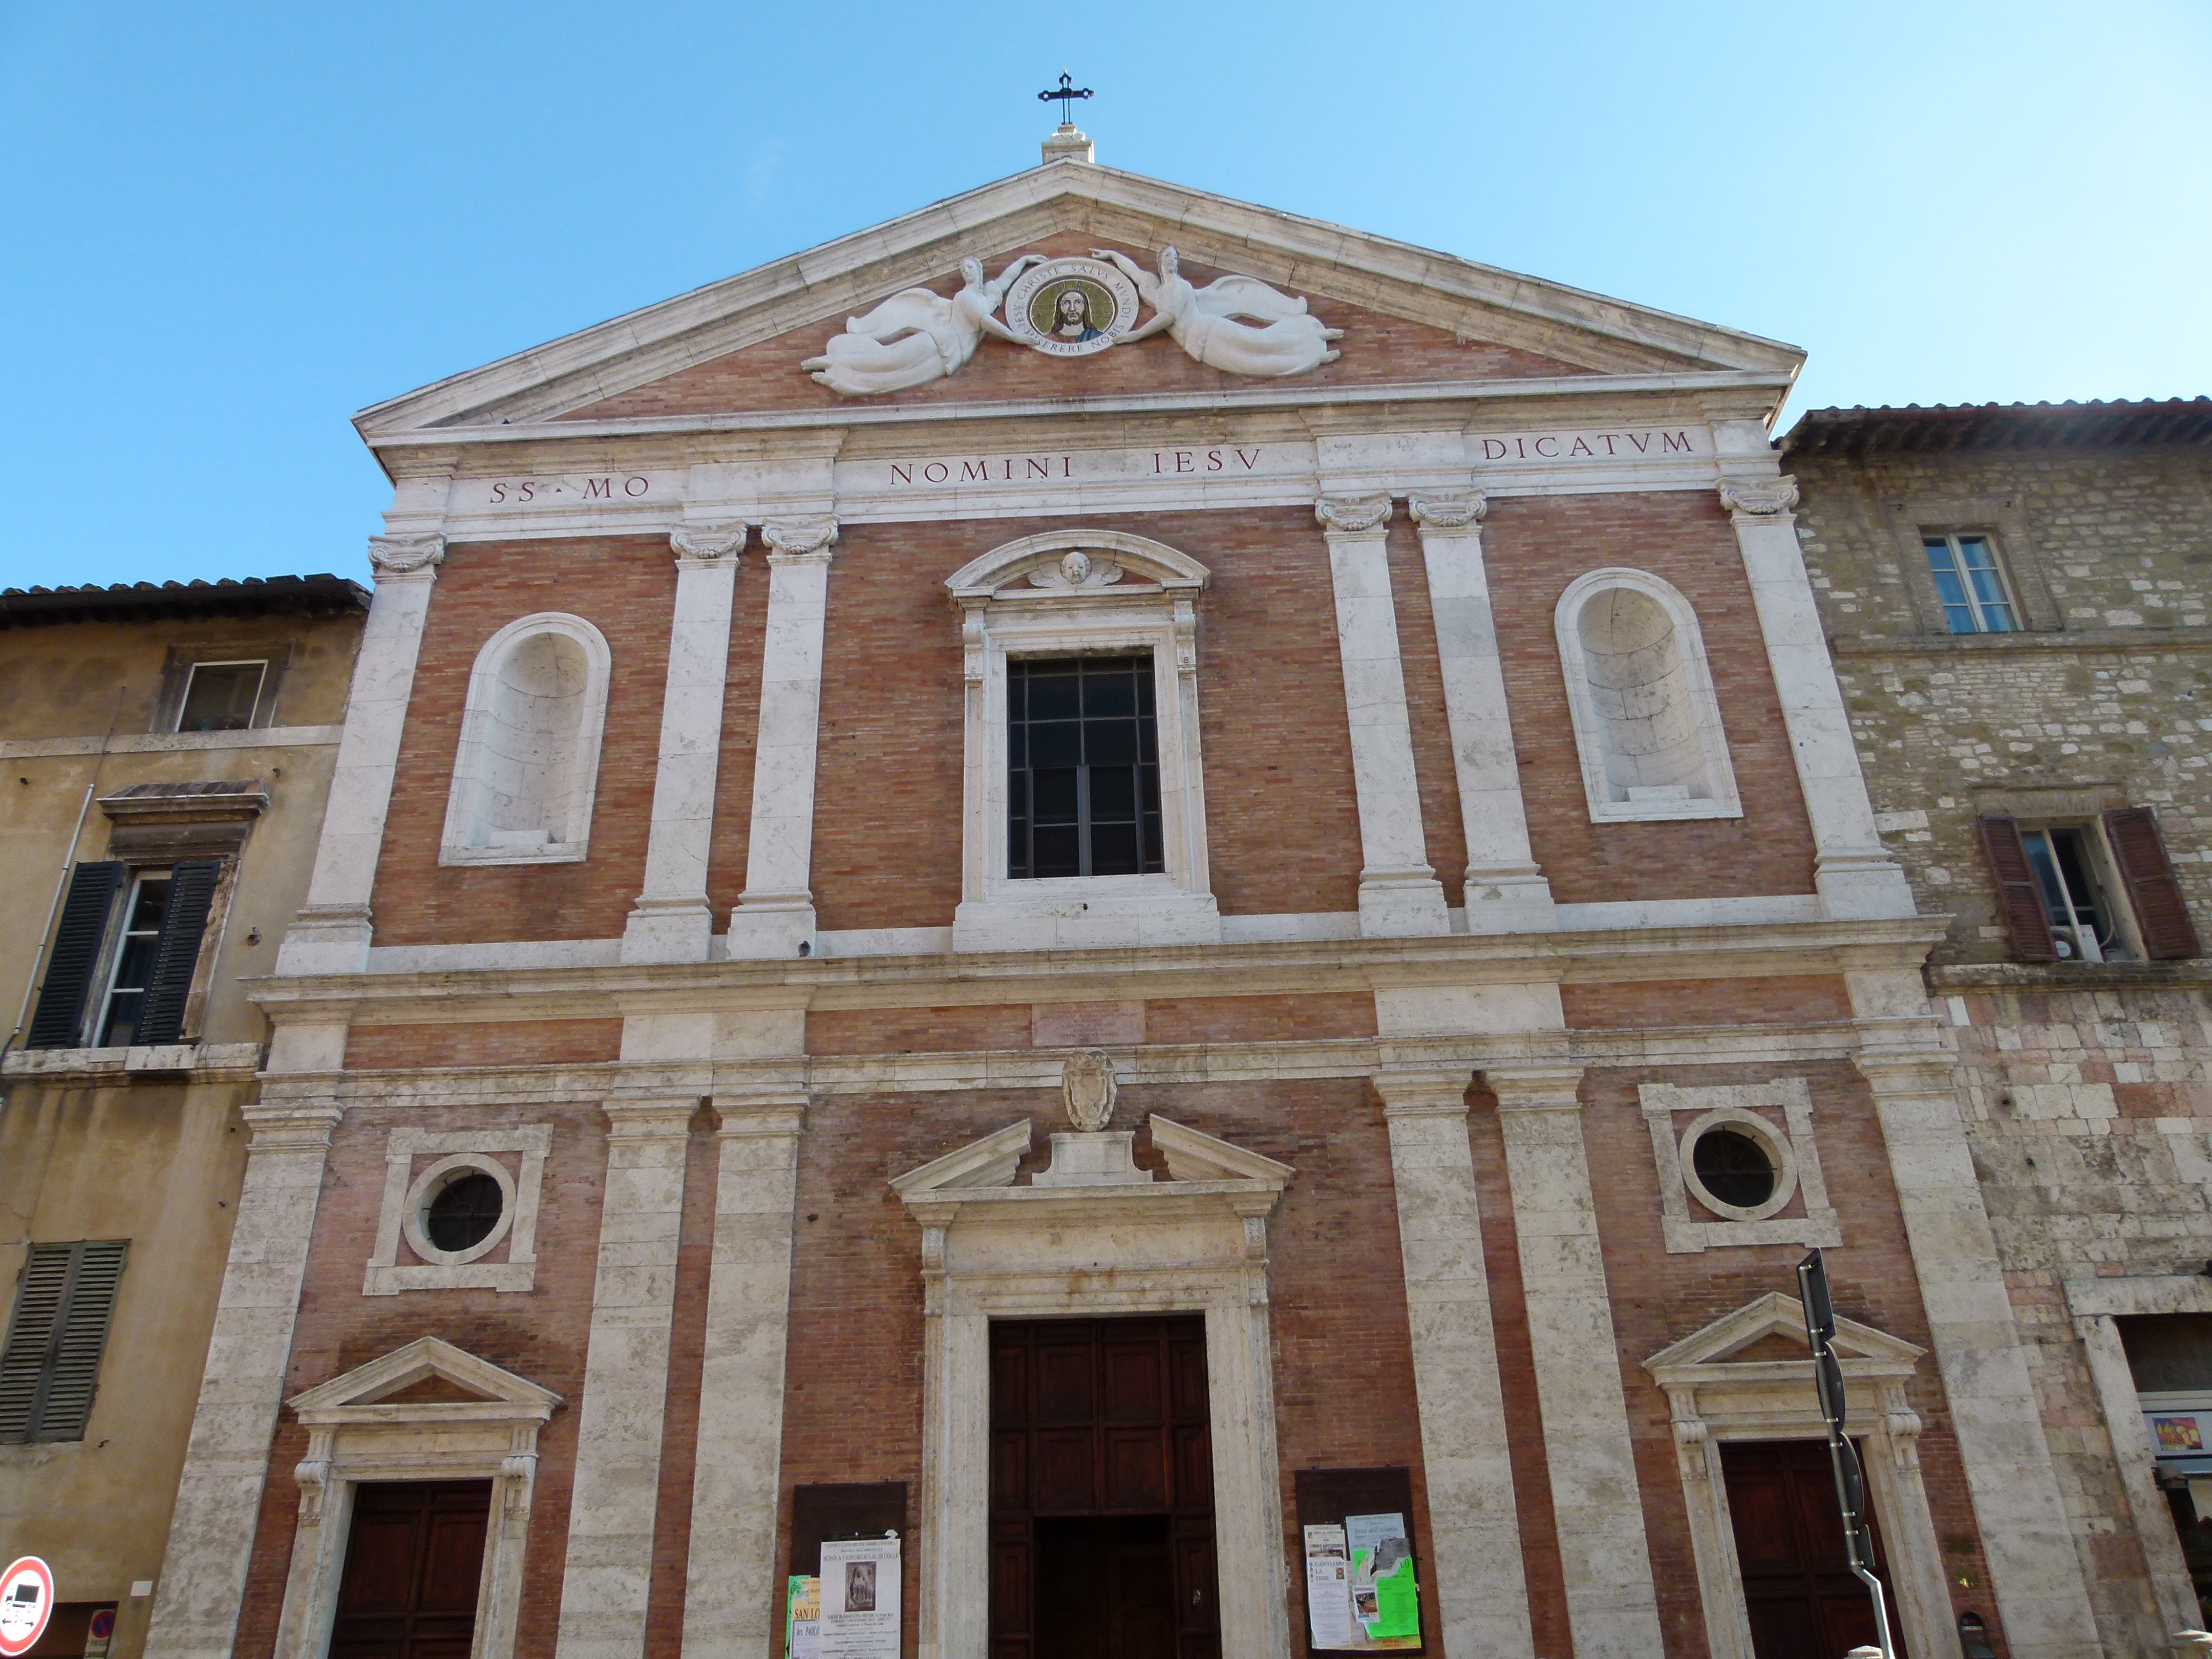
[1356,1566]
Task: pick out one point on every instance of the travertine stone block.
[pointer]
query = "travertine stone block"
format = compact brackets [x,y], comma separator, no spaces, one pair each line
[1473,1526]
[617,1484]
[1604,1560]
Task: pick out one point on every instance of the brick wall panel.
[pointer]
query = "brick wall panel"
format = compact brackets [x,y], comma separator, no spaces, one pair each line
[1534,546]
[624,585]
[1634,1005]
[522,1042]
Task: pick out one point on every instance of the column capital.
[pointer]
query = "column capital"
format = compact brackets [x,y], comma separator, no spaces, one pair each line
[399,556]
[759,1116]
[659,1118]
[1454,511]
[708,545]
[1771,501]
[1352,515]
[291,1126]
[1535,1088]
[1429,1092]
[1912,1073]
[798,539]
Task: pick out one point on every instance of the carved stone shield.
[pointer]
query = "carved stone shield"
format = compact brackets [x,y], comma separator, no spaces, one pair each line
[1086,1083]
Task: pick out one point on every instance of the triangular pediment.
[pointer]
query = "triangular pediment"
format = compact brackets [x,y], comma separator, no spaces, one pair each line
[1409,315]
[1191,1156]
[1771,1331]
[429,1377]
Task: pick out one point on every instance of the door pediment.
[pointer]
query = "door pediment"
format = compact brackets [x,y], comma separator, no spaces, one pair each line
[427,1380]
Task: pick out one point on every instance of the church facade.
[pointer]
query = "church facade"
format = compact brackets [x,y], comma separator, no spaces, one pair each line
[1041,915]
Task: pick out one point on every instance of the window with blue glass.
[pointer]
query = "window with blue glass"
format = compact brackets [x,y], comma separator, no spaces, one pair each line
[1082,768]
[1970,583]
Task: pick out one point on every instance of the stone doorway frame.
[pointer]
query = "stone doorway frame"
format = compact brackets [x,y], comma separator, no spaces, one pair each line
[354,1436]
[1715,1397]
[1194,1243]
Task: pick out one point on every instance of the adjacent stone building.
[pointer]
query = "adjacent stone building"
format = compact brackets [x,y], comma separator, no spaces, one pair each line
[2016,599]
[166,751]
[1097,916]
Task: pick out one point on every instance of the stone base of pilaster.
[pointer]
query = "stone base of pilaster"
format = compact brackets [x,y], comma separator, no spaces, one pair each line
[669,930]
[326,938]
[771,927]
[1861,885]
[1508,898]
[1402,903]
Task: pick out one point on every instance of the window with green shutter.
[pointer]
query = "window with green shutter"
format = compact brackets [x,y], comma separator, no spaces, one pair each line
[49,1365]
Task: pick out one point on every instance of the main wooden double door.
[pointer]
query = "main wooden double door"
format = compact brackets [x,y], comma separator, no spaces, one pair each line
[1101,1491]
[1804,1600]
[414,1559]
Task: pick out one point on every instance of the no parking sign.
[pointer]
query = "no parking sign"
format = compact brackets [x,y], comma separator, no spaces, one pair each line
[27,1602]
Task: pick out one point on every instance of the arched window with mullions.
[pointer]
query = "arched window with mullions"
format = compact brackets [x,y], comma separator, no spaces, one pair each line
[527,769]
[1646,721]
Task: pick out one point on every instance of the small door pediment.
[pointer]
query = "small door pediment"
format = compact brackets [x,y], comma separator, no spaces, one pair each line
[429,1377]
[1770,1332]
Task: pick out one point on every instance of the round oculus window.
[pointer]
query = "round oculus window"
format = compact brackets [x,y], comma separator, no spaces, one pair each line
[463,1213]
[1735,1167]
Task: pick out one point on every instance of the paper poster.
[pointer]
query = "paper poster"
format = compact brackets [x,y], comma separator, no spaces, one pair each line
[2179,1433]
[859,1595]
[1328,1588]
[802,1619]
[1386,1598]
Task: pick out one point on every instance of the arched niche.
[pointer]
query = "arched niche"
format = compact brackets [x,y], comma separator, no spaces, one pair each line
[526,772]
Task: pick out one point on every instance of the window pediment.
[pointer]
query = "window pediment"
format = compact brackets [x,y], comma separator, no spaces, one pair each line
[1078,563]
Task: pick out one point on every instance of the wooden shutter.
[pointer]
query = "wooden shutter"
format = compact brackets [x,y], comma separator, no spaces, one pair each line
[2162,913]
[177,951]
[75,955]
[74,1376]
[50,1365]
[2018,899]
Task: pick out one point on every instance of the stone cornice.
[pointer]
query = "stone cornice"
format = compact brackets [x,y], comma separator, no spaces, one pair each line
[2119,641]
[1159,1065]
[1580,957]
[1391,401]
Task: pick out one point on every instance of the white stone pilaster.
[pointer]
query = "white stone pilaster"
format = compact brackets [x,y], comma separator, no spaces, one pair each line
[1473,1526]
[1852,872]
[210,1543]
[330,934]
[2036,1570]
[617,1493]
[1399,892]
[775,915]
[1596,1500]
[671,921]
[2171,1586]
[1504,888]
[738,1462]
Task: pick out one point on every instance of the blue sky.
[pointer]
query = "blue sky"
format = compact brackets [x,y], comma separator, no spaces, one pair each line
[225,227]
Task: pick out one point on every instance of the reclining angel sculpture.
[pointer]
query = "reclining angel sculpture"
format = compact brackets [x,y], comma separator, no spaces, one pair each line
[1201,320]
[917,335]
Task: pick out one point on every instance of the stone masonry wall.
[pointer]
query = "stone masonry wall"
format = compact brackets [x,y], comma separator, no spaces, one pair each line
[1947,726]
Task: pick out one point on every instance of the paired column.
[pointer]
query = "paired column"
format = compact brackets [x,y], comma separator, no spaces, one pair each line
[775,915]
[1612,1608]
[1474,1528]
[218,1506]
[330,934]
[737,1468]
[617,1492]
[1504,888]
[2034,1567]
[671,921]
[1852,872]
[1399,892]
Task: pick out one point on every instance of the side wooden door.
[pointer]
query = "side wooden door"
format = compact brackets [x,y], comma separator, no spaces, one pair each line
[1804,1600]
[414,1559]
